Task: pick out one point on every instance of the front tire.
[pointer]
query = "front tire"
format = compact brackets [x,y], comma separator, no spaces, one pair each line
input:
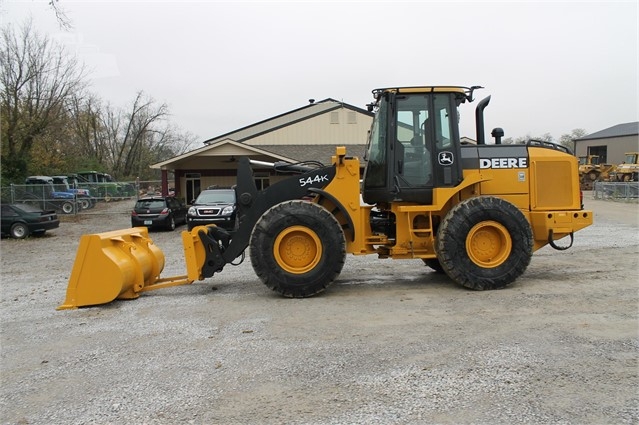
[484,243]
[297,248]
[68,208]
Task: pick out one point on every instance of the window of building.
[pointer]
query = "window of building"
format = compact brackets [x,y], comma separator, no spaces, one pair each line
[261,180]
[192,186]
[601,151]
[335,117]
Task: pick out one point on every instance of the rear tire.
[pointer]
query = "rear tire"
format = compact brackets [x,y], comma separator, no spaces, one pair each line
[85,203]
[171,225]
[19,231]
[484,243]
[297,248]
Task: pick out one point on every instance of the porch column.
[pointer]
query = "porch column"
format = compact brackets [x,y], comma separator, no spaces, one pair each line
[165,182]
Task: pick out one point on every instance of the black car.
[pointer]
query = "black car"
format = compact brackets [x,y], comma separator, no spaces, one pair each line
[158,212]
[22,220]
[213,206]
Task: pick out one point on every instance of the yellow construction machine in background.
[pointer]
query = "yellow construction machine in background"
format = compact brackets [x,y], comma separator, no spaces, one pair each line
[628,170]
[474,212]
[592,170]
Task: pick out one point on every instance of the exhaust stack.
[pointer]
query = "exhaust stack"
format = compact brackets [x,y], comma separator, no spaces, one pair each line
[479,120]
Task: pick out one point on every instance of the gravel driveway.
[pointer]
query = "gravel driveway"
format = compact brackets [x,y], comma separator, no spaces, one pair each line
[389,343]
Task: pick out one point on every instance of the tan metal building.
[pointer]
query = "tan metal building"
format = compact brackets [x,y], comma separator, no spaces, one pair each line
[611,143]
[309,133]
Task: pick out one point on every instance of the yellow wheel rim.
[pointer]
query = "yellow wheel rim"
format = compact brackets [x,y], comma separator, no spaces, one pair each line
[297,249]
[488,244]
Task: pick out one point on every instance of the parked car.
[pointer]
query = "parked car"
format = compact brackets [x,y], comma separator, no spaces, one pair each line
[213,206]
[158,212]
[22,220]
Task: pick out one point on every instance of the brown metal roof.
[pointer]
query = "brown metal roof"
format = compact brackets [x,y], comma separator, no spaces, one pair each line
[321,153]
[619,130]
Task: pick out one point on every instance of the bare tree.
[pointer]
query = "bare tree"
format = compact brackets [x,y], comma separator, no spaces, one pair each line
[129,136]
[63,19]
[88,130]
[546,137]
[49,123]
[165,144]
[142,124]
[568,140]
[38,78]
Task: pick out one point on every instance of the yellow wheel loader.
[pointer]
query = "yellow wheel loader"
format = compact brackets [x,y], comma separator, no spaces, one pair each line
[591,169]
[476,212]
[628,170]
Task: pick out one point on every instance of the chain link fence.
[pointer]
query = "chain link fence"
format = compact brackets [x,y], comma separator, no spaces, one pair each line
[617,191]
[70,200]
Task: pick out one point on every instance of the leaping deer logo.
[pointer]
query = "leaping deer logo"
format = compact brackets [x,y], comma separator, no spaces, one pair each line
[445,158]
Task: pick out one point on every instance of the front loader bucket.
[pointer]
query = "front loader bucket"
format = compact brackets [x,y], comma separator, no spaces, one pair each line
[113,265]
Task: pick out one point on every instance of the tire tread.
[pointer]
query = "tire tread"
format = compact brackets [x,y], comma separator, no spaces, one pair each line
[287,214]
[451,237]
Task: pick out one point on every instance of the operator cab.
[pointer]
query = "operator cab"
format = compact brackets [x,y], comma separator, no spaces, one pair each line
[414,143]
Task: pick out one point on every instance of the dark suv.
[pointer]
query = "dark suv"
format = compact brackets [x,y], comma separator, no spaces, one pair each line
[213,206]
[157,211]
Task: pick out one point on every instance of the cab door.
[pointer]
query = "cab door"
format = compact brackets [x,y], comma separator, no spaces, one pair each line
[425,147]
[447,169]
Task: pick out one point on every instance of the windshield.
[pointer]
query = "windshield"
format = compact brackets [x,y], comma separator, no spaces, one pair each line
[216,197]
[376,168]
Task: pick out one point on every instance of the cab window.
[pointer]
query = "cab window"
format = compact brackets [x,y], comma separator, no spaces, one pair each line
[443,126]
[413,135]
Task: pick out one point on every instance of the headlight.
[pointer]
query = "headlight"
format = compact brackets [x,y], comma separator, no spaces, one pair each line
[228,210]
[191,211]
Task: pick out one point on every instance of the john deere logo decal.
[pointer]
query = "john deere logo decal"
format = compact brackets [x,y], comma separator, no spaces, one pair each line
[446,158]
[503,162]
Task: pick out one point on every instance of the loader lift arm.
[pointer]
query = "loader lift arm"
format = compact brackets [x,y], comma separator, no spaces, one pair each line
[223,248]
[122,264]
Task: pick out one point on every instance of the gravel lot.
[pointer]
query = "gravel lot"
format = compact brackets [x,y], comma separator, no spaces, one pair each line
[389,343]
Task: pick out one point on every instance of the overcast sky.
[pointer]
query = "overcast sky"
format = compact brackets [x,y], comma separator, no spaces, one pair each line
[550,67]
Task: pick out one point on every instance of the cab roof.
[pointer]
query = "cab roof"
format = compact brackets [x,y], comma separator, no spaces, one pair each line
[466,91]
[424,89]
